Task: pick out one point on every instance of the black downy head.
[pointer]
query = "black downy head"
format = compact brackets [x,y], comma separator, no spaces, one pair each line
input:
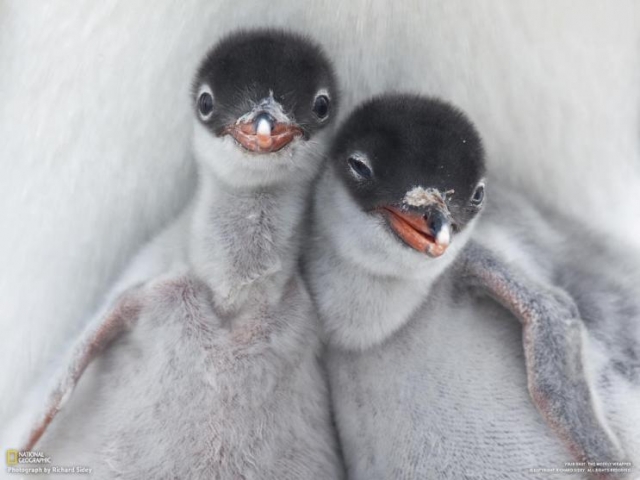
[418,162]
[265,88]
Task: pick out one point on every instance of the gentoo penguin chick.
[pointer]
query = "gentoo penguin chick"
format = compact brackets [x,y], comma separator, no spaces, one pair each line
[208,352]
[393,217]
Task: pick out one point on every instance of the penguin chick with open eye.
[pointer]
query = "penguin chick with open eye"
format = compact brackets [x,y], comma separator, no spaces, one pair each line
[209,345]
[391,248]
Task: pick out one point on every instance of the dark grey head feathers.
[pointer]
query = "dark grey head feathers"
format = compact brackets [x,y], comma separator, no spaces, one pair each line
[410,156]
[249,67]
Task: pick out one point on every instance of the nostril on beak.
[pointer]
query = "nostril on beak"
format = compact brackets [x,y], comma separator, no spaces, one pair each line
[440,227]
[434,222]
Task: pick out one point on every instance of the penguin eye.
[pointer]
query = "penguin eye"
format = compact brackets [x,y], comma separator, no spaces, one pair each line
[478,196]
[321,106]
[360,169]
[205,103]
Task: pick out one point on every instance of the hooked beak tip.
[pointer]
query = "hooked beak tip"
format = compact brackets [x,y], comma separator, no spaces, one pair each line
[443,237]
[263,128]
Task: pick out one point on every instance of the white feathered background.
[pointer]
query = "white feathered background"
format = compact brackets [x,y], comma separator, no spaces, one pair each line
[94,124]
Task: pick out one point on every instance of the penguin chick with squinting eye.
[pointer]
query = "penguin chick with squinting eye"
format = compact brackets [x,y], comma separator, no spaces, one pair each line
[391,247]
[208,347]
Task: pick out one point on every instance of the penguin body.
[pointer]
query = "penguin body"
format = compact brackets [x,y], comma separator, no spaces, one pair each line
[431,374]
[206,352]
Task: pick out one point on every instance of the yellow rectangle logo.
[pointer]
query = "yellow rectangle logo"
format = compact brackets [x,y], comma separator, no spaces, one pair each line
[12,457]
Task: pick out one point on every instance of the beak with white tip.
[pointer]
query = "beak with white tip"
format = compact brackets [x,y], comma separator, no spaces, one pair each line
[422,220]
[266,129]
[428,231]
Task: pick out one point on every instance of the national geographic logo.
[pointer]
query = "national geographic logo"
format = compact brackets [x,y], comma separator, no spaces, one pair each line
[12,457]
[38,463]
[15,457]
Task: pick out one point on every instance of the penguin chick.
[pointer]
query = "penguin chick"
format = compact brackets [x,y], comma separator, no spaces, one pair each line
[404,187]
[209,342]
[398,205]
[267,92]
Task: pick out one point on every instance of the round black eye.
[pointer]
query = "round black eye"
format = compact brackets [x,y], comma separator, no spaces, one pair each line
[321,106]
[205,104]
[360,168]
[478,195]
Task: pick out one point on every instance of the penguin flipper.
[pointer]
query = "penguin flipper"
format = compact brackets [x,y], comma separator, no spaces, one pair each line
[554,337]
[97,336]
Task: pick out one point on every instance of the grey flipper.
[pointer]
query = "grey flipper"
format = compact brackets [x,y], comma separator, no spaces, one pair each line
[94,340]
[553,338]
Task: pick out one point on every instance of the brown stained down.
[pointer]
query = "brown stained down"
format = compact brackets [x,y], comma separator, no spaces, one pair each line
[191,297]
[249,334]
[253,332]
[422,197]
[180,289]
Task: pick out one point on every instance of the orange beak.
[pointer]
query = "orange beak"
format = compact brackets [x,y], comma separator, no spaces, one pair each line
[415,230]
[264,134]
